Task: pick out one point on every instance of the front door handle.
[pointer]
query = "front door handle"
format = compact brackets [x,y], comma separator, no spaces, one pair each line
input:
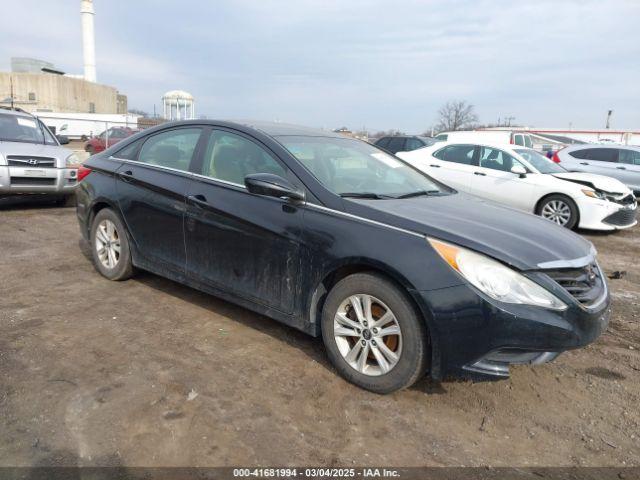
[584,163]
[200,200]
[434,165]
[621,168]
[127,176]
[480,173]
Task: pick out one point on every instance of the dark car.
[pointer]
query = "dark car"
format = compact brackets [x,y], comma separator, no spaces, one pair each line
[107,139]
[398,273]
[403,143]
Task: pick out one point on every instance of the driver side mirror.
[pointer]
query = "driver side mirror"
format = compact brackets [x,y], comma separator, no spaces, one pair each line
[519,170]
[271,185]
[62,139]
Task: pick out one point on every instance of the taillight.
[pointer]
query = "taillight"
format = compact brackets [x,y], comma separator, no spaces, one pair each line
[83,172]
[556,158]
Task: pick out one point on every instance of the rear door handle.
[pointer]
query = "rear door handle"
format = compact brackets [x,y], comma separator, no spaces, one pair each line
[480,173]
[200,200]
[126,176]
[434,165]
[621,168]
[584,163]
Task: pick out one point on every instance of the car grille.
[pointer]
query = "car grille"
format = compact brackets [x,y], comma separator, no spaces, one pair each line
[34,181]
[622,217]
[585,284]
[30,161]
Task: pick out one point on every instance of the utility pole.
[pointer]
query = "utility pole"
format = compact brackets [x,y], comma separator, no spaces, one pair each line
[508,120]
[608,125]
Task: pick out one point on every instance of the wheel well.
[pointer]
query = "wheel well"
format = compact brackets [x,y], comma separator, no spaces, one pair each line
[94,211]
[329,281]
[539,203]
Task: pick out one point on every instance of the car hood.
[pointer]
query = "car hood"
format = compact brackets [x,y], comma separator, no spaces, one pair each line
[35,149]
[522,240]
[598,182]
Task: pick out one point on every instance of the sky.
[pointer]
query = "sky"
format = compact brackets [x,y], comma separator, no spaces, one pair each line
[374,64]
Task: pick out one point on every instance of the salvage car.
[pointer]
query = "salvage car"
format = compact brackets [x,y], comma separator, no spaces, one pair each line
[398,273]
[31,159]
[523,178]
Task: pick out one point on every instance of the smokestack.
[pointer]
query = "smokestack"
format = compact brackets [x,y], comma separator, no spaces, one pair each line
[88,40]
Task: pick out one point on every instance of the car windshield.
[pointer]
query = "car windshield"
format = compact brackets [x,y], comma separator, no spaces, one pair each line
[541,163]
[21,128]
[351,168]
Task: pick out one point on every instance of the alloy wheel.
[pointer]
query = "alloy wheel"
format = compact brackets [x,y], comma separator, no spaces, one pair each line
[107,244]
[557,211]
[368,335]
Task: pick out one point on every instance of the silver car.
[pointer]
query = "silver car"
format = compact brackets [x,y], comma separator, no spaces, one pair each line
[617,161]
[31,158]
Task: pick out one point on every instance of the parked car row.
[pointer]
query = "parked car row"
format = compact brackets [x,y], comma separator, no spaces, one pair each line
[401,273]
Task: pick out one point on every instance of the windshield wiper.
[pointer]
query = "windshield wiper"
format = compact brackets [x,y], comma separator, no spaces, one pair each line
[420,193]
[374,196]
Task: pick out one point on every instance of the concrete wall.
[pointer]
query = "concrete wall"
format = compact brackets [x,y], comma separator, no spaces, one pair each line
[59,93]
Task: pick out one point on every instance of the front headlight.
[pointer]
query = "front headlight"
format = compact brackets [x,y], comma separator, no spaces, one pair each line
[593,194]
[495,279]
[72,161]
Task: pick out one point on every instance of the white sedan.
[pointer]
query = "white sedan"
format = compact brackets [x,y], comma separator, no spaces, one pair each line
[522,178]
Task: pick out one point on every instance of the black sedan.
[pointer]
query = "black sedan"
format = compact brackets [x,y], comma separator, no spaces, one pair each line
[399,274]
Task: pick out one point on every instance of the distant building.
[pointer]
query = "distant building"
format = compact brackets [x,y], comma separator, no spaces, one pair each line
[37,86]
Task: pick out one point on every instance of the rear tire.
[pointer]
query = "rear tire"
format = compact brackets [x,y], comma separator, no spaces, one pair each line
[560,209]
[382,344]
[110,246]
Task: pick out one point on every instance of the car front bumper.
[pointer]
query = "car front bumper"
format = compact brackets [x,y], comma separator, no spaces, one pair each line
[21,180]
[473,336]
[598,214]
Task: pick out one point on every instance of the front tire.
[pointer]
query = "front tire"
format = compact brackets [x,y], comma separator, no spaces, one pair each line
[110,246]
[560,209]
[373,335]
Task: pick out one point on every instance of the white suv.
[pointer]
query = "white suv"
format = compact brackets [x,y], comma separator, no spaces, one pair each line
[31,158]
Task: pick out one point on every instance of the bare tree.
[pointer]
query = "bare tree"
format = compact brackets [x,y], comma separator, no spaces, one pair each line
[456,115]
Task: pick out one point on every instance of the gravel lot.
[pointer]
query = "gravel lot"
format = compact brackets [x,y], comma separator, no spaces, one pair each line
[148,372]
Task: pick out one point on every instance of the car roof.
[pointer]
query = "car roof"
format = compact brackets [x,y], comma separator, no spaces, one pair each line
[500,145]
[584,146]
[277,129]
[16,112]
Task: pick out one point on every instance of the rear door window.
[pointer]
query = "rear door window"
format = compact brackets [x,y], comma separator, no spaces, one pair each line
[172,149]
[518,140]
[457,154]
[603,154]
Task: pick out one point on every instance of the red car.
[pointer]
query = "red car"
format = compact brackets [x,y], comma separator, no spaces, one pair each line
[107,138]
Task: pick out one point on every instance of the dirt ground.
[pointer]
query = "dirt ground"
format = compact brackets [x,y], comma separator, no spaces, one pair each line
[151,373]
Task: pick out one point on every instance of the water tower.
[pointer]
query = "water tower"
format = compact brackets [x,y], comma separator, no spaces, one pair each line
[178,105]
